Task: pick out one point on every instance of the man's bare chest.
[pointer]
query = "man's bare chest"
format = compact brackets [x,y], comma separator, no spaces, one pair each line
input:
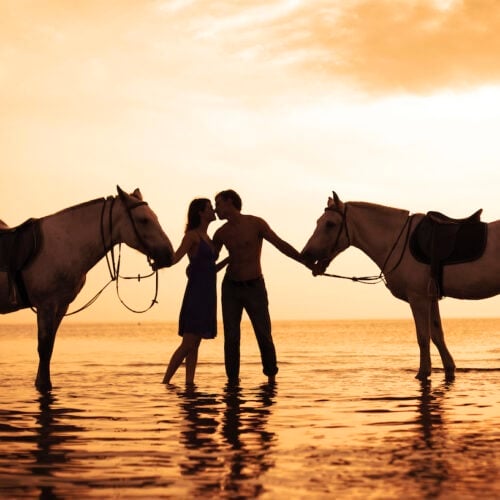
[241,239]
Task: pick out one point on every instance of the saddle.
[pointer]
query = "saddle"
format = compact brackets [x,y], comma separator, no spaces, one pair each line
[439,240]
[18,246]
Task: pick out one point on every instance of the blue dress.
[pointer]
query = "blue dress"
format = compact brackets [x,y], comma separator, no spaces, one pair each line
[199,306]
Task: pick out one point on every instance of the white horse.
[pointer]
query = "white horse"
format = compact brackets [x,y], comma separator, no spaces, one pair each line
[65,246]
[383,234]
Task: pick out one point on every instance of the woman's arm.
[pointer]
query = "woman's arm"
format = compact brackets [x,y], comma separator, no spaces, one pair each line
[186,244]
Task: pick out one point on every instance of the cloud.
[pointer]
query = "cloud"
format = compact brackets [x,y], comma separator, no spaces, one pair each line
[387,46]
[380,46]
[53,54]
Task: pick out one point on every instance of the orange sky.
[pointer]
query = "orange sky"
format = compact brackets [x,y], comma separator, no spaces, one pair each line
[394,102]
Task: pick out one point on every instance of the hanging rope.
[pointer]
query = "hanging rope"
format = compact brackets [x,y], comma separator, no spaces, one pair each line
[138,278]
[366,280]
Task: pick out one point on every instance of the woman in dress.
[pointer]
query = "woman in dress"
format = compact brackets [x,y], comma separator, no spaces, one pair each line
[198,316]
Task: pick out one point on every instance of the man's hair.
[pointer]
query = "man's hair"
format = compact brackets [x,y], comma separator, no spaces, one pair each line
[230,194]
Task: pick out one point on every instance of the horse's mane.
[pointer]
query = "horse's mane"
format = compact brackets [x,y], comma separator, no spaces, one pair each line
[80,205]
[380,208]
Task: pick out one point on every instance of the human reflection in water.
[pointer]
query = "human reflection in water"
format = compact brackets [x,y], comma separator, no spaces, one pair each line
[244,429]
[200,411]
[227,442]
[52,437]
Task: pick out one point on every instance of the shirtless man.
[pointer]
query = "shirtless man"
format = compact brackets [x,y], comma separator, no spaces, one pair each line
[243,286]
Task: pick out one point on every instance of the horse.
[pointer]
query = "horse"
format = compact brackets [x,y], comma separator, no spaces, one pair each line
[384,235]
[61,248]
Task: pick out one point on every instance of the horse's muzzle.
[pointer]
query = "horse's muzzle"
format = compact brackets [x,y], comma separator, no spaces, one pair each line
[161,260]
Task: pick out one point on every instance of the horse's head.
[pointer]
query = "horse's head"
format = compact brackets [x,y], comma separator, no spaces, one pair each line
[141,230]
[329,238]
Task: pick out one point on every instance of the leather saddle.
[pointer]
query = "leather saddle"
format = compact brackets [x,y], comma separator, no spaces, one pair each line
[18,246]
[439,240]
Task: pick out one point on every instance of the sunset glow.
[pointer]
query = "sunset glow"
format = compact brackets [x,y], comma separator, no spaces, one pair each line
[392,102]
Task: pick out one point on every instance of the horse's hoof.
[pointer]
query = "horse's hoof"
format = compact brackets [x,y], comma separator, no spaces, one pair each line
[449,376]
[421,376]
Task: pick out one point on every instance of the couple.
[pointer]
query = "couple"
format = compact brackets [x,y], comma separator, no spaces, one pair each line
[243,286]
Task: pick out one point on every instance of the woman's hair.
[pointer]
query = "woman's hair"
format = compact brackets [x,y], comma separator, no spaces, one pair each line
[195,207]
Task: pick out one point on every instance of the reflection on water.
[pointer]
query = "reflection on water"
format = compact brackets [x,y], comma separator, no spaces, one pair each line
[50,455]
[44,447]
[424,458]
[346,420]
[443,460]
[51,437]
[198,434]
[245,430]
[228,445]
[432,459]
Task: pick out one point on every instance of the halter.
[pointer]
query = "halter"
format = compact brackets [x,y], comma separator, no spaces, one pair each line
[343,215]
[374,279]
[114,264]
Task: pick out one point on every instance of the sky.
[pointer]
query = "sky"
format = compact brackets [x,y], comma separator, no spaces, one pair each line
[395,102]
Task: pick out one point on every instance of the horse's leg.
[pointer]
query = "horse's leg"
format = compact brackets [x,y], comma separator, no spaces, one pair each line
[421,312]
[437,336]
[48,320]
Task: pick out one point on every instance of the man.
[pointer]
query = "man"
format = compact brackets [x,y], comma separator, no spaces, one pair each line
[243,285]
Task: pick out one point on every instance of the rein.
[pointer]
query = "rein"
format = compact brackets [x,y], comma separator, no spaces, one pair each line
[374,279]
[114,264]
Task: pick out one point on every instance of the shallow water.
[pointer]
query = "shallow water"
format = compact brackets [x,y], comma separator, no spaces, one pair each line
[346,419]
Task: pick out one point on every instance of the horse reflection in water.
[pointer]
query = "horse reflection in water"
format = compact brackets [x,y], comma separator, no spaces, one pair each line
[383,233]
[426,452]
[41,451]
[228,446]
[44,262]
[54,432]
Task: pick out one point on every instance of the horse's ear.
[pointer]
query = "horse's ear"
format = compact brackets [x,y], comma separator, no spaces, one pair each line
[121,192]
[137,193]
[335,201]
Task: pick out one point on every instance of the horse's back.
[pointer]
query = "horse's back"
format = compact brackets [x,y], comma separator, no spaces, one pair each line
[479,279]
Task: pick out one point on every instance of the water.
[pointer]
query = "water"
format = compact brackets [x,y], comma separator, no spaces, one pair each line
[346,419]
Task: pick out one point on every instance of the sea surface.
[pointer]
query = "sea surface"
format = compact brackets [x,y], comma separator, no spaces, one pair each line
[345,420]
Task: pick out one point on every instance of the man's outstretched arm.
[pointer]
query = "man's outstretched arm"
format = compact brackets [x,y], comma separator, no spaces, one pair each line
[283,246]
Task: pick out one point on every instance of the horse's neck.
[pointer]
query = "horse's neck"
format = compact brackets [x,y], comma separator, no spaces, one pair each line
[375,229]
[80,231]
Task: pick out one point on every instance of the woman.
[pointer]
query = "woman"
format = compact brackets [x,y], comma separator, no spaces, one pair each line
[198,316]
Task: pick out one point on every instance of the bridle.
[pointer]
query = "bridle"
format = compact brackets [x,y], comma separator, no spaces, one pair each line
[374,279]
[114,263]
[343,215]
[108,248]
